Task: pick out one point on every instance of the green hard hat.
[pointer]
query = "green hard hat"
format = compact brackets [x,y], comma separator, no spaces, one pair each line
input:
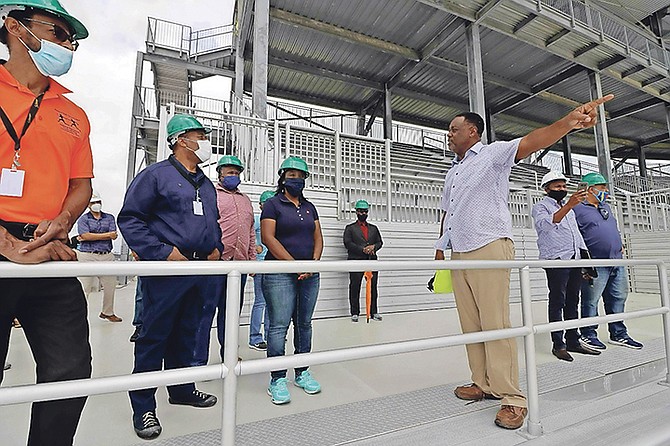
[183,123]
[230,160]
[594,178]
[51,6]
[294,162]
[362,204]
[266,195]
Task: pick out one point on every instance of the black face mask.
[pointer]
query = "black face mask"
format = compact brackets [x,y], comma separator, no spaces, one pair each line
[557,195]
[362,217]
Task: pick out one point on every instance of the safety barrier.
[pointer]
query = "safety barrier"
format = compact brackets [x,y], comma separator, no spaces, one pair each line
[233,367]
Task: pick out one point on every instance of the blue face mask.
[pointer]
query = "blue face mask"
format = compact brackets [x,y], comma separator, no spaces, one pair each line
[601,195]
[294,186]
[51,59]
[230,182]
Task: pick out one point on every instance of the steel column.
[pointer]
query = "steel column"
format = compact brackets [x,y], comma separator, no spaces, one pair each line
[600,129]
[388,118]
[259,86]
[642,161]
[473,50]
[567,156]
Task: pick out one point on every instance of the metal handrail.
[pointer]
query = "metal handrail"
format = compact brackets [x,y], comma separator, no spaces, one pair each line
[234,269]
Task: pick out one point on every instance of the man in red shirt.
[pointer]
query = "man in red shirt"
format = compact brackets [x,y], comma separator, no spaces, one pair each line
[45,184]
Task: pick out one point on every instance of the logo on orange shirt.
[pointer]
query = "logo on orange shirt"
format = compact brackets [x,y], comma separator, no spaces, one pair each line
[69,123]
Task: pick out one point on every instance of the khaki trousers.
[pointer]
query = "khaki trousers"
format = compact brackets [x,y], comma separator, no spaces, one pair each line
[108,282]
[482,300]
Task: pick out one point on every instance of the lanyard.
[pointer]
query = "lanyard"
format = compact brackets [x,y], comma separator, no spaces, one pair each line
[12,132]
[186,176]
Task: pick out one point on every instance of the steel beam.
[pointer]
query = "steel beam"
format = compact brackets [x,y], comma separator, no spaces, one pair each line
[486,10]
[636,108]
[188,66]
[297,64]
[652,80]
[586,49]
[632,70]
[519,26]
[345,34]
[556,37]
[611,61]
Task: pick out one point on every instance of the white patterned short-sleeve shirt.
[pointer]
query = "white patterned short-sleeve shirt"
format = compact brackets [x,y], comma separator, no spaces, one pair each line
[476,195]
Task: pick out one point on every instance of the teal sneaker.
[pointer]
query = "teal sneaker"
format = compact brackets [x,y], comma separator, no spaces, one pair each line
[307,383]
[278,390]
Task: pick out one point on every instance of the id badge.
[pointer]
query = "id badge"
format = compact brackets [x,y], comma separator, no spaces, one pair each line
[197,208]
[11,182]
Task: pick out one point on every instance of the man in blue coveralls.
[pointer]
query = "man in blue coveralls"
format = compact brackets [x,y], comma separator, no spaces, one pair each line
[170,213]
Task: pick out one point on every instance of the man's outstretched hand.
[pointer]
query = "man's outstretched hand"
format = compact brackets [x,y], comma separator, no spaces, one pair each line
[586,116]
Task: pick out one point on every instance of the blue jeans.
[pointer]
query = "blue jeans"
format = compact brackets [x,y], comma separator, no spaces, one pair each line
[612,284]
[288,298]
[221,309]
[258,313]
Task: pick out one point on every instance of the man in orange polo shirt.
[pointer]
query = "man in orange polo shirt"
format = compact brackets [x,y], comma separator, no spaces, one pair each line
[45,184]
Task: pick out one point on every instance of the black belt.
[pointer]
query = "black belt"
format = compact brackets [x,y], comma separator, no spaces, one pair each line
[194,255]
[97,252]
[22,231]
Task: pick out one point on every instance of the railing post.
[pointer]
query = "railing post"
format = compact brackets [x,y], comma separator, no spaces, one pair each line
[665,301]
[276,156]
[287,141]
[533,423]
[389,200]
[338,175]
[231,341]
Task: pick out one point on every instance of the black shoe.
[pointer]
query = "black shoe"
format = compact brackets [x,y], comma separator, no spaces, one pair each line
[260,346]
[562,354]
[583,349]
[147,426]
[136,334]
[195,399]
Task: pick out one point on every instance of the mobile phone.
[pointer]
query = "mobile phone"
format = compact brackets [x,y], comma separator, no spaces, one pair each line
[583,185]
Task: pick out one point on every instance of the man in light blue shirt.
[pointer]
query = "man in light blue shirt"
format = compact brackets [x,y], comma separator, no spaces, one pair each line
[558,238]
[477,225]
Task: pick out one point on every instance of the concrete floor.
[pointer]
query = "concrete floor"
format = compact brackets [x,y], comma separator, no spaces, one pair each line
[107,418]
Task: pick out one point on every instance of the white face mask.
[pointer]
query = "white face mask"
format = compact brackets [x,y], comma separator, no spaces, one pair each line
[204,152]
[97,207]
[51,59]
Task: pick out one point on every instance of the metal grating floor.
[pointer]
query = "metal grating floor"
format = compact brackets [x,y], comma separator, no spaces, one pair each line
[572,393]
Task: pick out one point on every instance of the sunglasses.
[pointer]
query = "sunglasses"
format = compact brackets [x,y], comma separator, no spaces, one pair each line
[59,33]
[362,211]
[604,213]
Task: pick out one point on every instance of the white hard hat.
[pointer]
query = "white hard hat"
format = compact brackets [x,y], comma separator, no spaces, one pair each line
[552,176]
[95,198]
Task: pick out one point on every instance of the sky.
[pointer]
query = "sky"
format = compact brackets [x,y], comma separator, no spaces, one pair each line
[103,73]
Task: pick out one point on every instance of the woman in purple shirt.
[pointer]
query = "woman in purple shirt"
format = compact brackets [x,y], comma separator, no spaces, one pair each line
[290,229]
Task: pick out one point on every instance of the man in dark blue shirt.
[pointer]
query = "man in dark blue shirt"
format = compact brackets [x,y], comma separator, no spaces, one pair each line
[96,230]
[170,213]
[601,234]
